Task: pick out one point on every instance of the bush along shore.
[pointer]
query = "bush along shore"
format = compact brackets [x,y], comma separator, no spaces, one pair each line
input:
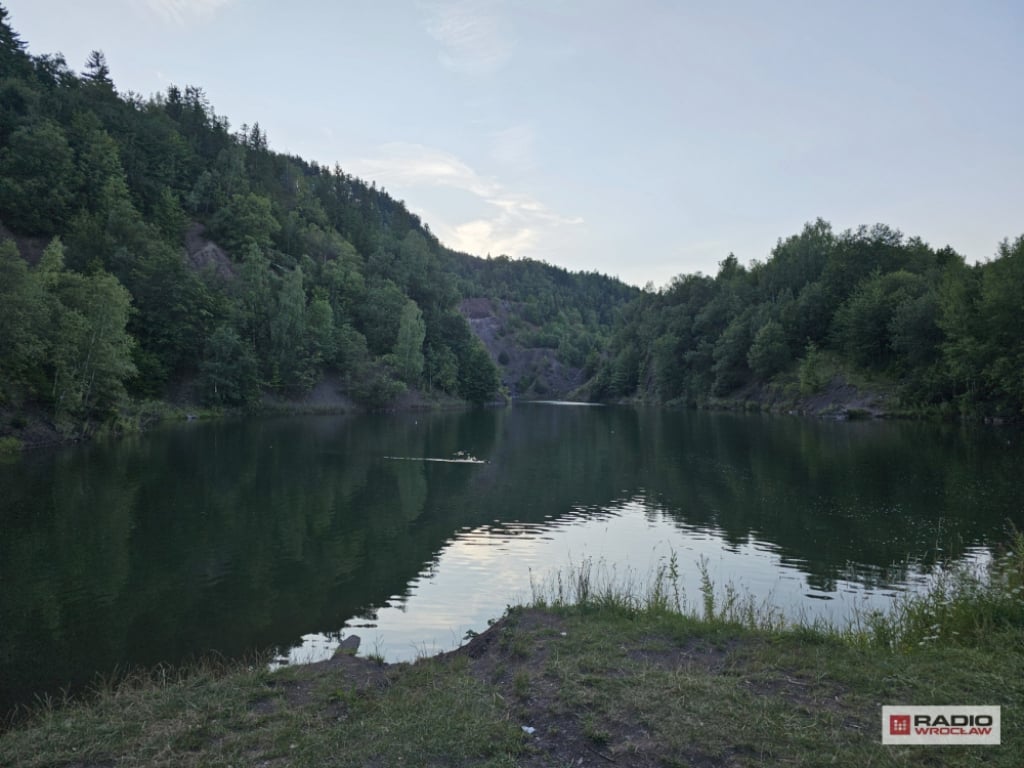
[592,673]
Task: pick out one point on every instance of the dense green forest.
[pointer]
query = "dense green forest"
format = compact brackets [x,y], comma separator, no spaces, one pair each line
[150,252]
[295,270]
[571,313]
[868,303]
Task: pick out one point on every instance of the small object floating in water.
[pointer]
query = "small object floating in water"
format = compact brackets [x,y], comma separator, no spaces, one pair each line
[819,597]
[467,459]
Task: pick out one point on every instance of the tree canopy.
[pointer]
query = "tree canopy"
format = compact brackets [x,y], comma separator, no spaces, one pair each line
[145,248]
[870,299]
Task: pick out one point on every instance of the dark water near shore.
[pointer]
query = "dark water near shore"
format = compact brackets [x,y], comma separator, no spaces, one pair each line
[288,533]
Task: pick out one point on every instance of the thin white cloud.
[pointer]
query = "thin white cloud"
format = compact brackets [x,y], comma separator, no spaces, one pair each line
[514,146]
[399,163]
[183,11]
[472,42]
[517,225]
[491,238]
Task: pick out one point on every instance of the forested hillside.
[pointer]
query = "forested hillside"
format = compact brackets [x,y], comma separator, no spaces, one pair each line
[148,251]
[868,303]
[145,248]
[546,328]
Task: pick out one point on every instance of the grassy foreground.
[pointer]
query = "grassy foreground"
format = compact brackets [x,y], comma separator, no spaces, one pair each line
[602,675]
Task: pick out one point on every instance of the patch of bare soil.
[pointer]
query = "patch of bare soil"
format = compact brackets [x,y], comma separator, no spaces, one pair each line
[515,650]
[513,655]
[349,675]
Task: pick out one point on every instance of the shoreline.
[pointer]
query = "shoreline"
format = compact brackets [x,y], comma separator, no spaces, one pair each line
[591,677]
[584,685]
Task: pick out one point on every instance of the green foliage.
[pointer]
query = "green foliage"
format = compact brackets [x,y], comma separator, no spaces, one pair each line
[478,376]
[321,342]
[769,352]
[409,344]
[813,371]
[866,300]
[290,355]
[64,336]
[24,326]
[247,220]
[375,388]
[37,179]
[13,58]
[329,273]
[380,315]
[326,271]
[442,369]
[548,307]
[863,323]
[730,355]
[1000,309]
[9,446]
[964,606]
[88,347]
[229,373]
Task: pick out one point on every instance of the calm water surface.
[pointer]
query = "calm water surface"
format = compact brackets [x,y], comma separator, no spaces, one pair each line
[411,529]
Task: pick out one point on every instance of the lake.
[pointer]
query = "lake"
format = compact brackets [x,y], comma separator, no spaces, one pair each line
[287,534]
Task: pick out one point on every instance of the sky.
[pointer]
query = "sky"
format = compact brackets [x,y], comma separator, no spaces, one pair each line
[638,138]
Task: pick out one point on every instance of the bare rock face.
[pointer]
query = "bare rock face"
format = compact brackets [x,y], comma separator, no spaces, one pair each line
[204,254]
[528,373]
[349,646]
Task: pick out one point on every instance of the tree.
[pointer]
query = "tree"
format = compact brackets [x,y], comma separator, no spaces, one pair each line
[289,354]
[13,58]
[862,326]
[98,165]
[229,373]
[442,369]
[769,352]
[730,355]
[914,333]
[1000,309]
[478,376]
[175,311]
[409,344]
[96,69]
[90,355]
[380,315]
[321,339]
[23,326]
[37,179]
[246,220]
[256,297]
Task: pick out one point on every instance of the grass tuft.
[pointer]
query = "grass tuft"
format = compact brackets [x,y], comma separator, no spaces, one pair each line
[965,606]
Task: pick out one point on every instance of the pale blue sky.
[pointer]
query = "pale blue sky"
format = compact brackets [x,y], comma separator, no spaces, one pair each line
[639,139]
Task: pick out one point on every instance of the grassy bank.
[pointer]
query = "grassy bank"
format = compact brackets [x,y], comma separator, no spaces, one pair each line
[604,674]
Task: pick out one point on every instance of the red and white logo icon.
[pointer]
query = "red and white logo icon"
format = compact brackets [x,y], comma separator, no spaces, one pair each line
[899,725]
[940,725]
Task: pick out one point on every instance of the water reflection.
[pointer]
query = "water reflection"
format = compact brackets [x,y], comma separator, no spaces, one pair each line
[482,569]
[286,533]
